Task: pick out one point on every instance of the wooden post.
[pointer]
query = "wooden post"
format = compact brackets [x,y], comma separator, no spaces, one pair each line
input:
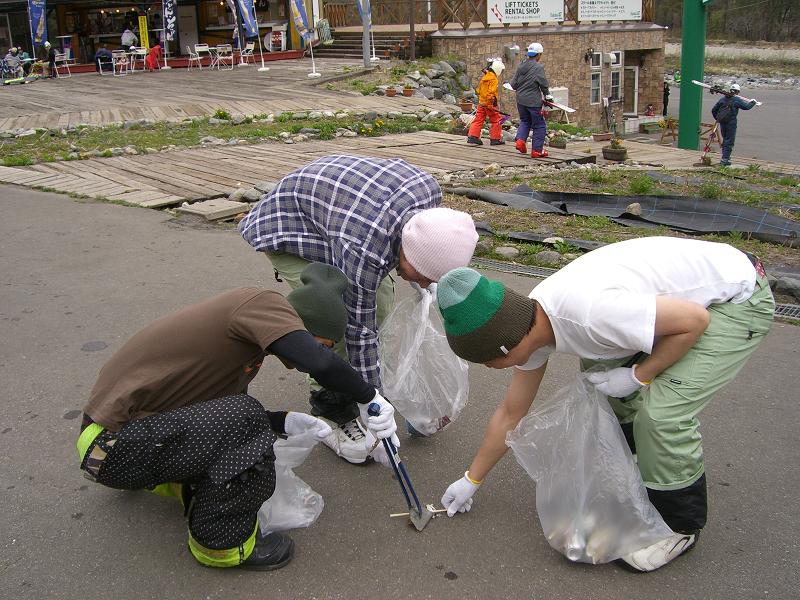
[412,19]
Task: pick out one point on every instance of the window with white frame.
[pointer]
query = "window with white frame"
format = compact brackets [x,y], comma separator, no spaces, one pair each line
[616,61]
[616,79]
[596,60]
[594,97]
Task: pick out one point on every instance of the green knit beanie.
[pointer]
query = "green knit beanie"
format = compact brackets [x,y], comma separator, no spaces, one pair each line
[319,301]
[482,316]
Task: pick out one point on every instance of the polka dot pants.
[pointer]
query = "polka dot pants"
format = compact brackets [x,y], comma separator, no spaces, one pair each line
[222,448]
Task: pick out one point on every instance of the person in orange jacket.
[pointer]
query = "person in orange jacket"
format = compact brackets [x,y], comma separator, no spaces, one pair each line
[153,58]
[487,107]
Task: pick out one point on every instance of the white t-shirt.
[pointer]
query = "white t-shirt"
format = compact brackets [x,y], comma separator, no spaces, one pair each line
[603,304]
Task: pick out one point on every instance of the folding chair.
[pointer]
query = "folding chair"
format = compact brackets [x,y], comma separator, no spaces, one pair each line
[119,62]
[225,56]
[62,60]
[200,50]
[194,57]
[138,54]
[247,53]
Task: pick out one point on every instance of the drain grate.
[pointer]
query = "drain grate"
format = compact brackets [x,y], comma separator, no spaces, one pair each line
[784,311]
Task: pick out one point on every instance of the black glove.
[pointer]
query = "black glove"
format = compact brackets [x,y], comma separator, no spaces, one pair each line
[494,102]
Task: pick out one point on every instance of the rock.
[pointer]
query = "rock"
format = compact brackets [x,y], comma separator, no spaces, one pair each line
[634,208]
[315,114]
[508,251]
[299,116]
[440,83]
[342,115]
[328,113]
[414,76]
[252,195]
[410,116]
[433,73]
[425,80]
[509,136]
[438,94]
[431,116]
[117,151]
[550,257]
[288,141]
[478,174]
[211,121]
[470,95]
[284,135]
[492,169]
[553,240]
[788,286]
[73,156]
[410,83]
[449,99]
[310,131]
[26,133]
[459,65]
[300,138]
[371,115]
[233,142]
[238,119]
[130,150]
[237,195]
[427,92]
[394,114]
[445,68]
[150,150]
[464,82]
[349,133]
[264,186]
[482,247]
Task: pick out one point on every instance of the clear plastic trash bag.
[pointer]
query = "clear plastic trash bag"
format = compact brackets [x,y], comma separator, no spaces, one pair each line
[590,497]
[293,504]
[421,376]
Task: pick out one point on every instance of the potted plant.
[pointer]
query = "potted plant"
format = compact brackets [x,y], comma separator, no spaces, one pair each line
[616,151]
[559,140]
[602,136]
[465,105]
[391,91]
[408,91]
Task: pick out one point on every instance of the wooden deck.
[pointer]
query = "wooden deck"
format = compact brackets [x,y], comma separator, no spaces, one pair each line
[170,178]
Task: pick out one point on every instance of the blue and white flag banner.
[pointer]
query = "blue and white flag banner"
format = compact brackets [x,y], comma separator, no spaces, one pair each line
[365,8]
[300,18]
[170,20]
[38,15]
[247,10]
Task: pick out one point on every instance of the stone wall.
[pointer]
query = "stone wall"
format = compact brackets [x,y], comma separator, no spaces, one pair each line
[564,60]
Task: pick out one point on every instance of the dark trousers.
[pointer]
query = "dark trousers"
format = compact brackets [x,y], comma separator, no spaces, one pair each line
[531,118]
[222,449]
[728,133]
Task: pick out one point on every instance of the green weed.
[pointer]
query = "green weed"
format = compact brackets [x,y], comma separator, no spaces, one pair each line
[641,185]
[17,160]
[223,114]
[711,191]
[596,176]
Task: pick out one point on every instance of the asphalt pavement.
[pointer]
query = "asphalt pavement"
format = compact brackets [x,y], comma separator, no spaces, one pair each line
[766,132]
[79,278]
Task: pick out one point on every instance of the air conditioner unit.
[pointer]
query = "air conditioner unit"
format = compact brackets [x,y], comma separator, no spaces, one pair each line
[609,58]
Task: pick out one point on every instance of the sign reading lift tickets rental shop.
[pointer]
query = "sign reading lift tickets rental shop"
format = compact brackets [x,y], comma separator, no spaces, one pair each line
[524,11]
[609,10]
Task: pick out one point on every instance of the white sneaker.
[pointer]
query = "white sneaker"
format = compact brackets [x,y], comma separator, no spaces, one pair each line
[348,441]
[656,556]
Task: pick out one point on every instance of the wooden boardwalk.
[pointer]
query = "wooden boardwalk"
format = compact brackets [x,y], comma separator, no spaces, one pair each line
[170,178]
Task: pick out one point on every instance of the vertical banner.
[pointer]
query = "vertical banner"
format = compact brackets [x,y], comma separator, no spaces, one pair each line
[235,11]
[365,8]
[169,20]
[247,10]
[299,18]
[144,38]
[38,17]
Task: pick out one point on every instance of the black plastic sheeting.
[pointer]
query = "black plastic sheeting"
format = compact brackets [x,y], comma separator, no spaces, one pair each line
[680,213]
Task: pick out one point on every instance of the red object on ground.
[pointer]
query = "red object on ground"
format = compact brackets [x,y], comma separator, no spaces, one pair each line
[542,154]
[153,58]
[521,147]
[494,122]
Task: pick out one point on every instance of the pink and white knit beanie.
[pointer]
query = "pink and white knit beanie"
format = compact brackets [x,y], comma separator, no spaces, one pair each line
[438,240]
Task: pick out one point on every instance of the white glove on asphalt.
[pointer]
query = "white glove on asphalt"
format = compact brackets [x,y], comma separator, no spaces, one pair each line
[458,497]
[379,453]
[298,423]
[616,383]
[382,425]
[507,86]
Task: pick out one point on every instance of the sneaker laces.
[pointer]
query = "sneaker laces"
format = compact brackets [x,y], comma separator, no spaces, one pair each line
[352,430]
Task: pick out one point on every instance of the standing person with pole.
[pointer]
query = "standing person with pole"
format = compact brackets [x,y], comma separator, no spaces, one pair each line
[725,112]
[530,84]
[487,106]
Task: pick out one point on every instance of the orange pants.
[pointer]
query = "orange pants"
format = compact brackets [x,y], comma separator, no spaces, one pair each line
[494,122]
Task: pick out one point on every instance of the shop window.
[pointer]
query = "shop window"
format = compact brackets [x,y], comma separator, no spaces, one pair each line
[616,78]
[594,98]
[596,60]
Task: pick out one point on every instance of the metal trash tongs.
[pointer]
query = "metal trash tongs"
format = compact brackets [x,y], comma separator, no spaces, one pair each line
[418,513]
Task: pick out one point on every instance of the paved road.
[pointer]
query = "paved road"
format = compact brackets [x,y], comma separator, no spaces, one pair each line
[730,51]
[80,278]
[768,132]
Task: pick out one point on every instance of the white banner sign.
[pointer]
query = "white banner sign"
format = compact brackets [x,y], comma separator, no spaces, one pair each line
[524,11]
[609,10]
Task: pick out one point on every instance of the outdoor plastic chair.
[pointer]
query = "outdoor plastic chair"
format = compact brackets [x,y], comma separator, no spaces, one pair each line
[194,57]
[225,56]
[62,61]
[119,63]
[247,53]
[138,54]
[277,38]
[200,50]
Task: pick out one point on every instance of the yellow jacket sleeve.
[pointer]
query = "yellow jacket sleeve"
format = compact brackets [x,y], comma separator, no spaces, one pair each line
[487,89]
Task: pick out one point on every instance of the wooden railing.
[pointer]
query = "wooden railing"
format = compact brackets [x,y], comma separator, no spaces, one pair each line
[342,13]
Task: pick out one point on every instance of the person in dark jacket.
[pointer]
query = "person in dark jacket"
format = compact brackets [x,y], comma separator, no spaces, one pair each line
[530,84]
[170,412]
[50,56]
[666,97]
[101,57]
[725,112]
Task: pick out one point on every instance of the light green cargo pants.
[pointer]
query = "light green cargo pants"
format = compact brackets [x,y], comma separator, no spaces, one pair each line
[664,414]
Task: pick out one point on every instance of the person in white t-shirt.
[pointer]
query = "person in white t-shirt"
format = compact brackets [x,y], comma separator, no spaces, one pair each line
[671,320]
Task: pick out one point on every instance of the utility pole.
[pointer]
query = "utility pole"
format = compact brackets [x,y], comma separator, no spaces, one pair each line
[366,22]
[693,50]
[412,17]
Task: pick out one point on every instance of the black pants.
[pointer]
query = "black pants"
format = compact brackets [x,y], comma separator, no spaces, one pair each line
[221,448]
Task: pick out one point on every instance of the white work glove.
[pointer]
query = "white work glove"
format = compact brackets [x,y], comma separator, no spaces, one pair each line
[298,423]
[616,383]
[549,98]
[458,497]
[507,86]
[382,425]
[379,453]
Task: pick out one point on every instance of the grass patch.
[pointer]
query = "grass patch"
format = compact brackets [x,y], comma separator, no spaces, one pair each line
[710,191]
[641,185]
[17,160]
